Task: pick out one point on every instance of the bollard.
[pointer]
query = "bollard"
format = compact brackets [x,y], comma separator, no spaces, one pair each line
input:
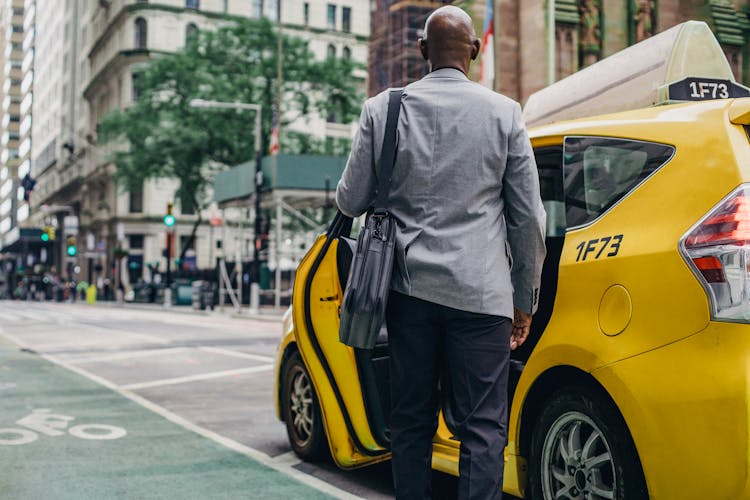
[254,298]
[91,294]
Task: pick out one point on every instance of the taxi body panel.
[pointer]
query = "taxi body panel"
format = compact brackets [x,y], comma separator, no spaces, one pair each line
[687,406]
[340,396]
[629,317]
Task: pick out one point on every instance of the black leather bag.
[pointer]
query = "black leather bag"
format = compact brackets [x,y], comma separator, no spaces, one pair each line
[366,294]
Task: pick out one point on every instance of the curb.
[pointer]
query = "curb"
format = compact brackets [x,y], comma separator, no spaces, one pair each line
[270,316]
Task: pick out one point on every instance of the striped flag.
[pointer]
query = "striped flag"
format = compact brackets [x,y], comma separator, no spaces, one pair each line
[275,146]
[487,61]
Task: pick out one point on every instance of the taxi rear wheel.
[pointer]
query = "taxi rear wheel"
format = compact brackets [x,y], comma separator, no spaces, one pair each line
[582,449]
[304,421]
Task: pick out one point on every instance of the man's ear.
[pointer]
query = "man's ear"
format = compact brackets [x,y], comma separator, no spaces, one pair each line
[423,47]
[475,46]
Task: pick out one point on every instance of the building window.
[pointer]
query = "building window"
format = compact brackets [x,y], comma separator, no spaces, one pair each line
[192,4]
[331,17]
[335,110]
[184,240]
[136,241]
[257,9]
[347,53]
[225,6]
[331,51]
[191,30]
[307,13]
[136,200]
[136,89]
[346,19]
[141,36]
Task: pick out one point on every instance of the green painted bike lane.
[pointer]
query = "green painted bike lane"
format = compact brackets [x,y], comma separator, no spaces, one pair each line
[51,456]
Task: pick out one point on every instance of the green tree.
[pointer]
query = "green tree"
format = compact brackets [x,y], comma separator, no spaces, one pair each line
[161,135]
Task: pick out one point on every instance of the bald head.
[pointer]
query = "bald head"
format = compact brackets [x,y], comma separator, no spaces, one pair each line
[449,39]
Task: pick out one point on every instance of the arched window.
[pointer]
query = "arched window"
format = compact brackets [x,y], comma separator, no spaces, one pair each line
[141,33]
[347,53]
[191,30]
[331,51]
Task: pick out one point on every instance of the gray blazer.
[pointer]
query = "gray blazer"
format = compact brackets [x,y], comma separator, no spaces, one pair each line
[464,193]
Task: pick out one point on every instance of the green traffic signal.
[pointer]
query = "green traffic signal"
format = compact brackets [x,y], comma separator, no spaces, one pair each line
[45,237]
[70,247]
[169,220]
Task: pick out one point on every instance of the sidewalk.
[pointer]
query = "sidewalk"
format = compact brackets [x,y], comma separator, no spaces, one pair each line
[63,436]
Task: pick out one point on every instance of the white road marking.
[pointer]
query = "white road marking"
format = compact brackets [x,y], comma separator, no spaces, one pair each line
[193,378]
[125,355]
[237,354]
[9,317]
[249,452]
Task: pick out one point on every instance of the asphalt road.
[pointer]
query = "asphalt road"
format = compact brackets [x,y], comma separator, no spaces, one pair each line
[192,392]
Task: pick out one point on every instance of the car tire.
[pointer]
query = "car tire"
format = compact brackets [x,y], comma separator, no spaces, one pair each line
[304,421]
[581,446]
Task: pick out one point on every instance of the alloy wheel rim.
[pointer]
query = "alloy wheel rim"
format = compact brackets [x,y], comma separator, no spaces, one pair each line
[577,461]
[301,406]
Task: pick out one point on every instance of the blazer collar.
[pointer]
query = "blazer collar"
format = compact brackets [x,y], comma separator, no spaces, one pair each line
[447,73]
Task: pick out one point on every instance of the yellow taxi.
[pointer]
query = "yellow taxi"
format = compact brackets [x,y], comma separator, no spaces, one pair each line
[635,380]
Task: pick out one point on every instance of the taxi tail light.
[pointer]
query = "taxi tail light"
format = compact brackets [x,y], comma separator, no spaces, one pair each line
[718,249]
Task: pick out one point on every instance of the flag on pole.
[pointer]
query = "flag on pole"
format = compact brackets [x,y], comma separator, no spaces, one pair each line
[487,61]
[275,145]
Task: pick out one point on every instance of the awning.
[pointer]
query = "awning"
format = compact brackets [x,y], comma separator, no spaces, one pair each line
[19,239]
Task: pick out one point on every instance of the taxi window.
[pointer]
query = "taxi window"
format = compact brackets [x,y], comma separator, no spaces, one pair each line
[549,165]
[599,172]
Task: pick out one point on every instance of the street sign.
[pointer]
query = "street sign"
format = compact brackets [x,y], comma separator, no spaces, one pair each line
[70,224]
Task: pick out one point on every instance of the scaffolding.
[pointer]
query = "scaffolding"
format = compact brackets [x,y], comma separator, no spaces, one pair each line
[394,59]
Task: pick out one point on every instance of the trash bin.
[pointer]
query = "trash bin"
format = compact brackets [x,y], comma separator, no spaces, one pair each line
[198,298]
[183,294]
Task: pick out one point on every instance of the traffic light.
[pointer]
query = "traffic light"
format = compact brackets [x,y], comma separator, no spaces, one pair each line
[71,249]
[48,234]
[169,219]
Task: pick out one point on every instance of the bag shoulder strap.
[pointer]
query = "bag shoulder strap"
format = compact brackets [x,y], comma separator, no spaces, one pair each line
[388,152]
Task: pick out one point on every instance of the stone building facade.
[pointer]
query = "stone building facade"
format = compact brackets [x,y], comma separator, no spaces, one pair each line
[107,43]
[530,54]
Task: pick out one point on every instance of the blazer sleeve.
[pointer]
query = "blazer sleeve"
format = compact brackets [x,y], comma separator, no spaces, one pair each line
[357,187]
[524,215]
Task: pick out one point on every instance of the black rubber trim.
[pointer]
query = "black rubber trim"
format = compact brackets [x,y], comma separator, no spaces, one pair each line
[373,407]
[337,227]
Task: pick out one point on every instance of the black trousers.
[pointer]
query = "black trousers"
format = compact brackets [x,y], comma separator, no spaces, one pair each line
[466,354]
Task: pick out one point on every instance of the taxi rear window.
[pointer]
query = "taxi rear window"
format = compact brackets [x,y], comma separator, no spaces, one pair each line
[600,171]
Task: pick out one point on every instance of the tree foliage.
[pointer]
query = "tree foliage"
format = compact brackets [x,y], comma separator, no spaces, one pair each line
[163,136]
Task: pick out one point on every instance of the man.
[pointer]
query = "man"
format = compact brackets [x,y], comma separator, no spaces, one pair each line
[465,195]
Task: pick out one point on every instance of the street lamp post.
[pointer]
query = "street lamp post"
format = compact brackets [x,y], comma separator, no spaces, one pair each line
[254,286]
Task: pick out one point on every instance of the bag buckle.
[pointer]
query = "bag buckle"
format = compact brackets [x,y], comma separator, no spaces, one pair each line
[378,219]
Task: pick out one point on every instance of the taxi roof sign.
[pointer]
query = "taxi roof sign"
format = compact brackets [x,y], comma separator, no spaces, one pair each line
[685,62]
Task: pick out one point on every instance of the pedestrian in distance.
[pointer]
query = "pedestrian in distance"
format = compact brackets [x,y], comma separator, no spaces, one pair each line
[464,192]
